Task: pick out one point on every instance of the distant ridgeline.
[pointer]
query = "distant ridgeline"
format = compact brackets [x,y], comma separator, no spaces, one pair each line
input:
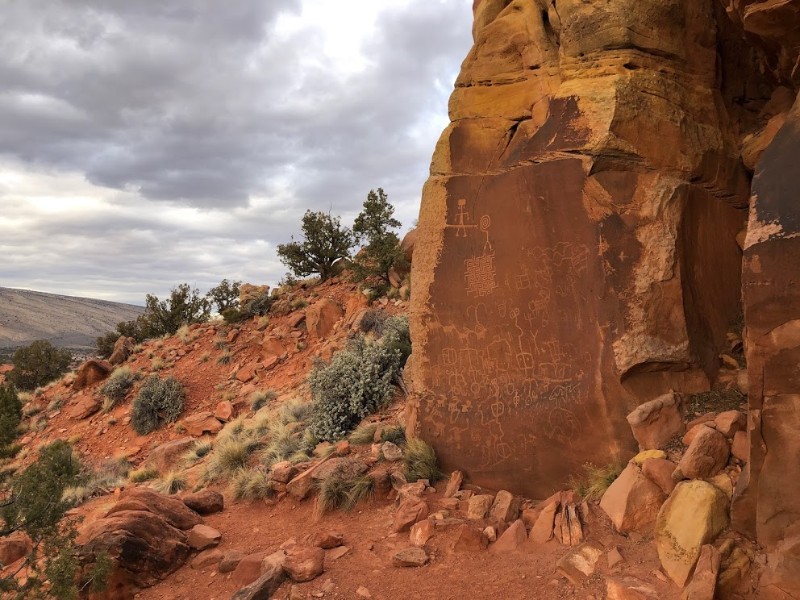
[65,321]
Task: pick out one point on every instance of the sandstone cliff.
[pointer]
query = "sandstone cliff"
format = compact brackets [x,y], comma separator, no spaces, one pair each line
[580,238]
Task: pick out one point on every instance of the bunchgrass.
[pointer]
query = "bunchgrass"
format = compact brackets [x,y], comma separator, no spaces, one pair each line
[419,462]
[595,480]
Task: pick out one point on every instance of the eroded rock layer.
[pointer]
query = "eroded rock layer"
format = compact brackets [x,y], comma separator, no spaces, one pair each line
[576,252]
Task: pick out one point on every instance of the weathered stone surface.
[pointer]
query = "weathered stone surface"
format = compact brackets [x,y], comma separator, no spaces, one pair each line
[207,558]
[740,448]
[567,527]
[479,506]
[164,456]
[283,472]
[659,471]
[632,501]
[91,372]
[542,530]
[202,537]
[304,563]
[85,407]
[248,569]
[410,557]
[230,560]
[703,585]
[410,511]
[421,532]
[705,457]
[505,507]
[692,516]
[265,585]
[563,271]
[580,563]
[391,451]
[224,411]
[454,484]
[629,588]
[327,540]
[729,422]
[470,538]
[205,502]
[656,422]
[175,512]
[249,292]
[201,423]
[321,317]
[512,539]
[123,348]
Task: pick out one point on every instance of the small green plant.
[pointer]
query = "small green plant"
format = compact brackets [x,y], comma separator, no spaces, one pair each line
[595,480]
[419,462]
[143,474]
[117,386]
[260,399]
[357,382]
[158,402]
[220,344]
[10,414]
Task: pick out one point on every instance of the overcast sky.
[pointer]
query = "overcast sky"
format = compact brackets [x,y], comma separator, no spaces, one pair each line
[143,144]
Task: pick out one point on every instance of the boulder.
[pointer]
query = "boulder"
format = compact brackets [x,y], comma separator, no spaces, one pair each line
[410,557]
[729,422]
[454,484]
[579,564]
[304,563]
[230,560]
[207,558]
[421,532]
[632,501]
[201,423]
[144,548]
[321,317]
[391,452]
[165,456]
[249,292]
[705,457]
[703,585]
[85,407]
[173,510]
[327,540]
[512,539]
[659,471]
[567,527]
[202,537]
[91,372]
[224,411]
[479,506]
[740,448]
[542,530]
[205,502]
[694,514]
[656,422]
[470,538]
[505,507]
[265,585]
[283,472]
[123,348]
[410,511]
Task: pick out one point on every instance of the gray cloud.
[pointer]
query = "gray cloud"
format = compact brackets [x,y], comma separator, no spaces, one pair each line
[212,107]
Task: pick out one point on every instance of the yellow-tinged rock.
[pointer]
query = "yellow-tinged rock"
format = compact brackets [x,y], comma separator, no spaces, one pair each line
[695,513]
[643,456]
[723,482]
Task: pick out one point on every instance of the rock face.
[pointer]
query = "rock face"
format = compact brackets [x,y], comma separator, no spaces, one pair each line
[91,372]
[772,311]
[654,423]
[562,270]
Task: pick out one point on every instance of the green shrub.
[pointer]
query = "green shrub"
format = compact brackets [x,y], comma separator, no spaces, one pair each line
[419,462]
[159,401]
[38,364]
[116,386]
[356,383]
[10,414]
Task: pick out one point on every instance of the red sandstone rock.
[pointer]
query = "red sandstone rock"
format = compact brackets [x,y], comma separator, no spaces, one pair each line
[659,471]
[248,569]
[201,423]
[14,546]
[543,528]
[632,501]
[84,408]
[470,538]
[91,372]
[304,563]
[174,511]
[705,457]
[629,588]
[740,447]
[729,422]
[327,540]
[321,318]
[202,537]
[505,507]
[205,502]
[513,538]
[224,411]
[410,557]
[421,532]
[410,511]
[123,348]
[656,422]
[164,456]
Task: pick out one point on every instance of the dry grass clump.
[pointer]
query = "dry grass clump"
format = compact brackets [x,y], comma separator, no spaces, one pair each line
[595,480]
[224,358]
[109,476]
[143,474]
[419,462]
[171,483]
[335,492]
[196,452]
[252,484]
[261,398]
[117,386]
[365,434]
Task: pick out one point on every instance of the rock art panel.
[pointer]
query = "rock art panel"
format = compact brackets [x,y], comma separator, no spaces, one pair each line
[563,269]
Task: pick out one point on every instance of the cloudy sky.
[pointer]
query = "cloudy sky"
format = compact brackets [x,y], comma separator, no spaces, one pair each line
[144,143]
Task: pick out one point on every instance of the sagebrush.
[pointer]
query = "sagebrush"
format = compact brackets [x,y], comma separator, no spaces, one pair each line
[158,402]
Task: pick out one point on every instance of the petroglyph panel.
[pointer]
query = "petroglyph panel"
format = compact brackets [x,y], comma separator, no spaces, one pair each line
[515,350]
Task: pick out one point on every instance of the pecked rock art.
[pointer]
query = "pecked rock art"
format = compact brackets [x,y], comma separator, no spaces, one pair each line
[576,252]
